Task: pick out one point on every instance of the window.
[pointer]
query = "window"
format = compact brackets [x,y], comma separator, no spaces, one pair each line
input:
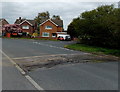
[48,27]
[45,34]
[25,27]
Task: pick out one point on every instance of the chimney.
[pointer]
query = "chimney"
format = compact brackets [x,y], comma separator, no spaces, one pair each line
[19,18]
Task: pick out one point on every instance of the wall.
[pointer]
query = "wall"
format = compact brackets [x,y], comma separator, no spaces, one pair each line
[50,31]
[30,30]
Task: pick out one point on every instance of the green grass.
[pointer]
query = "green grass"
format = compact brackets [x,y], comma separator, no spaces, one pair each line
[93,49]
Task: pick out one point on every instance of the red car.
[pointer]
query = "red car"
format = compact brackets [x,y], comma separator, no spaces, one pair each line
[60,38]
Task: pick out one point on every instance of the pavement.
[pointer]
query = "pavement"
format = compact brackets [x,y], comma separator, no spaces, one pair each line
[12,79]
[79,76]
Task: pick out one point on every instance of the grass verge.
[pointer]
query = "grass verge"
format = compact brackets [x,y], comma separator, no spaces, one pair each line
[93,49]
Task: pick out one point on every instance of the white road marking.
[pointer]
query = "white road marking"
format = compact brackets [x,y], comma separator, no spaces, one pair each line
[52,46]
[45,56]
[33,82]
[39,56]
[38,87]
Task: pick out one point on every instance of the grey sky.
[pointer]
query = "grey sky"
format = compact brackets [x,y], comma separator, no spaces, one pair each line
[67,10]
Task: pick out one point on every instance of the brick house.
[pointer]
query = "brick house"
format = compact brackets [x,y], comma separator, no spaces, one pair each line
[27,26]
[50,28]
[2,23]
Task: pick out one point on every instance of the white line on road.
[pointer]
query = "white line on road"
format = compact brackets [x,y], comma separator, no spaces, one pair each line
[23,72]
[45,56]
[40,56]
[52,46]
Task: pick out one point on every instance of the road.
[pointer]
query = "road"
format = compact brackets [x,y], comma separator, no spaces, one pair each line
[12,78]
[80,76]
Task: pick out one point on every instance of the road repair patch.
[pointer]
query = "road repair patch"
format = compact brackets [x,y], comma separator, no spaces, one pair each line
[48,61]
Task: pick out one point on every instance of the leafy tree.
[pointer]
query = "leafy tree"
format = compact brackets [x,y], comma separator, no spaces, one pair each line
[71,31]
[56,17]
[99,27]
[40,16]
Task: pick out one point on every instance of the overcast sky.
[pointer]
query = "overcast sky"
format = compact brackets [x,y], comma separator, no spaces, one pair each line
[28,10]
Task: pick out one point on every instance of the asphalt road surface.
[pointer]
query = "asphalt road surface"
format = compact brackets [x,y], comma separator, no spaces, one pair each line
[80,76]
[12,78]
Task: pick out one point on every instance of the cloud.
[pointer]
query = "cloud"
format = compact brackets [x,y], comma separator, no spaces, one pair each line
[67,10]
[59,0]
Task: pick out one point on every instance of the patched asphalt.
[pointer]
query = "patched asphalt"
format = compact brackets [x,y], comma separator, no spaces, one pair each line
[48,61]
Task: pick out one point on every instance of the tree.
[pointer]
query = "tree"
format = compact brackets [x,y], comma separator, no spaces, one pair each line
[41,16]
[56,17]
[12,28]
[99,27]
[71,31]
[72,28]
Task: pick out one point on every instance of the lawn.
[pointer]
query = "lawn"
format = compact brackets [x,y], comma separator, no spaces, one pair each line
[93,49]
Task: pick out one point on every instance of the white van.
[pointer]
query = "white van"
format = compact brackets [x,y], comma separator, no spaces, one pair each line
[64,37]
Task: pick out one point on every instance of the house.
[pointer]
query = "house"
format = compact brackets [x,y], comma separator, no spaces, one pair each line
[2,23]
[27,26]
[50,28]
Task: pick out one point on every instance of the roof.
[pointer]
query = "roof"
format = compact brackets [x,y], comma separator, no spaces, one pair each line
[58,22]
[20,21]
[12,25]
[32,22]
[54,21]
[3,21]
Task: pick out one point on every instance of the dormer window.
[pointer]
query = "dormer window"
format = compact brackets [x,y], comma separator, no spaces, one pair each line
[48,27]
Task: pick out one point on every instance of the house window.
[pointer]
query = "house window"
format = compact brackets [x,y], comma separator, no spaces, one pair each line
[25,27]
[48,27]
[45,34]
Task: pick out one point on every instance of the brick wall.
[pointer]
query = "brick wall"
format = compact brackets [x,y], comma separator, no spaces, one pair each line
[50,31]
[30,30]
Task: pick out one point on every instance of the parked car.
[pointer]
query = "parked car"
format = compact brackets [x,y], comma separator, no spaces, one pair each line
[63,37]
